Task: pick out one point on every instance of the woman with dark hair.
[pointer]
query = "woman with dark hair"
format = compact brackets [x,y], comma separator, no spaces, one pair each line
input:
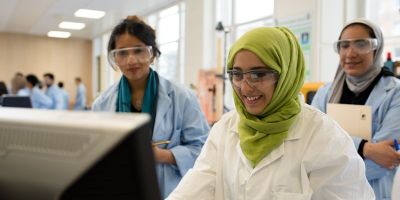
[360,79]
[18,83]
[38,98]
[175,112]
[3,88]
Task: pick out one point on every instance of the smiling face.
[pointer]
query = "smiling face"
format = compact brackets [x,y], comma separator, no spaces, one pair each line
[353,63]
[133,69]
[255,98]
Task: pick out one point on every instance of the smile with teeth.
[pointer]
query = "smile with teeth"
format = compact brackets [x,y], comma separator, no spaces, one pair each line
[252,98]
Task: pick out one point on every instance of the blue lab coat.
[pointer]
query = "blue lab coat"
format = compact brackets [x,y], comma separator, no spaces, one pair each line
[385,103]
[178,119]
[80,100]
[56,96]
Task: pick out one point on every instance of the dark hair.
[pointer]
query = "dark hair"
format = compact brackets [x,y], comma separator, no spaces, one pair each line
[19,74]
[60,84]
[78,79]
[32,79]
[3,88]
[50,75]
[367,28]
[135,27]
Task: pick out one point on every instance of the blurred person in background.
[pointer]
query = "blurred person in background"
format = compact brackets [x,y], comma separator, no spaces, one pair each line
[18,84]
[3,88]
[80,98]
[65,95]
[38,98]
[53,92]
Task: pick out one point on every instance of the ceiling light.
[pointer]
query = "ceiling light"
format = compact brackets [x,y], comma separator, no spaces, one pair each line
[59,34]
[71,25]
[93,14]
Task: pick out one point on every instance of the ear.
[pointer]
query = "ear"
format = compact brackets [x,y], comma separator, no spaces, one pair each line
[152,60]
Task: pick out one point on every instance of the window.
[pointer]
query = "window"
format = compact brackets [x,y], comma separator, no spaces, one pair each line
[238,17]
[249,10]
[386,14]
[242,29]
[168,26]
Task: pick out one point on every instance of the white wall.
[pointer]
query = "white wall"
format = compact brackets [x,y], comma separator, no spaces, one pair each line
[328,18]
[288,8]
[324,30]
[328,29]
[194,37]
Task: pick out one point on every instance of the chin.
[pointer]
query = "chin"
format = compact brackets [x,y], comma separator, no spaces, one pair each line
[353,73]
[254,111]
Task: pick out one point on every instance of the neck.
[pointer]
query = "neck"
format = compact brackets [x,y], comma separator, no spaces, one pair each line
[138,88]
[138,85]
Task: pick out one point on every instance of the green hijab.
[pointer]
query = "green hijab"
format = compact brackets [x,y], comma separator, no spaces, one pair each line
[279,49]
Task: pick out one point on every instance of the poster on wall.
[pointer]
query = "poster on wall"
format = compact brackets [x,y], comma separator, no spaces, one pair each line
[302,29]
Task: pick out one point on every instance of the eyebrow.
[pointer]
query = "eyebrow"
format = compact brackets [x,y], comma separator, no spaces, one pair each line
[252,68]
[124,47]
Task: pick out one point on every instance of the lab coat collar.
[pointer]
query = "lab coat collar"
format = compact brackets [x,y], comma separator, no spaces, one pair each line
[293,134]
[164,102]
[378,94]
[276,153]
[267,160]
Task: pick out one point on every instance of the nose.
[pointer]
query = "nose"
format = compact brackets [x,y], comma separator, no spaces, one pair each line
[245,86]
[132,59]
[351,52]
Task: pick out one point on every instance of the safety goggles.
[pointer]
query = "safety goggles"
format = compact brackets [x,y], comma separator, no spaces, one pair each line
[121,57]
[255,78]
[360,46]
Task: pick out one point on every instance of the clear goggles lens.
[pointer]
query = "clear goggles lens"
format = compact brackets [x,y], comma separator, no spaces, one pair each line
[121,57]
[360,46]
[252,77]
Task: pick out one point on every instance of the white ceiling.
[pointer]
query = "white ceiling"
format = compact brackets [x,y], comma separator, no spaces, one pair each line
[40,16]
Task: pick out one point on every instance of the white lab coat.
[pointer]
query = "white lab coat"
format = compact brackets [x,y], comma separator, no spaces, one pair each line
[396,186]
[317,161]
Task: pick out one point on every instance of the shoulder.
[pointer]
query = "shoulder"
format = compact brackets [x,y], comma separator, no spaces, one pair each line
[390,82]
[225,128]
[105,96]
[320,98]
[388,86]
[312,123]
[325,88]
[81,87]
[227,121]
[176,89]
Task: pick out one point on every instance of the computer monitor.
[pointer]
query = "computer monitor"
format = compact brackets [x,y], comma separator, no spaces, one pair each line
[17,101]
[75,155]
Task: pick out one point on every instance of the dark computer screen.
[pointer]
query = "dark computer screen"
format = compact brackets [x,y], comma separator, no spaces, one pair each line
[16,101]
[127,172]
[47,154]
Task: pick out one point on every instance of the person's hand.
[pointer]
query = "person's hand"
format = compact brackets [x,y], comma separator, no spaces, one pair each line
[163,155]
[382,153]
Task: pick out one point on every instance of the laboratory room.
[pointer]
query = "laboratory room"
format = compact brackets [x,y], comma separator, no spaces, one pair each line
[200,99]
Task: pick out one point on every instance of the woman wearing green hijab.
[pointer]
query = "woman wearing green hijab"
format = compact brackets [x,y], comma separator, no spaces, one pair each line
[273,146]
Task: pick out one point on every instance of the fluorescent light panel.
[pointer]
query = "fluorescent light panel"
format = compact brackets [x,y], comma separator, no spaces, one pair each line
[59,34]
[71,25]
[93,14]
